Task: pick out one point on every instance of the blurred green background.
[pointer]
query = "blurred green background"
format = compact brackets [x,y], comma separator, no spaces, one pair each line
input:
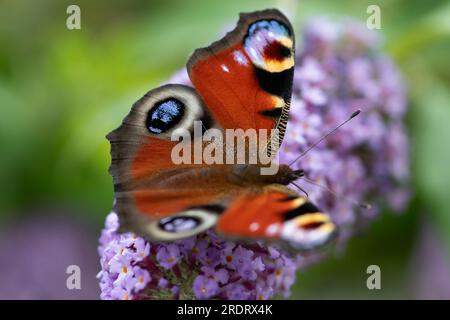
[62,90]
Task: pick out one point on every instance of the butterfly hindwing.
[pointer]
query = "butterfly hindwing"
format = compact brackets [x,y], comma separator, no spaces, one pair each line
[276,213]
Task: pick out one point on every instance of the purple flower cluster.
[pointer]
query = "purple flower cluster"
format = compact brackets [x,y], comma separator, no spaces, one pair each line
[339,69]
[123,275]
[203,267]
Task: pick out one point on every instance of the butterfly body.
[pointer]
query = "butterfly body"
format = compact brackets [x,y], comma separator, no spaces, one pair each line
[242,82]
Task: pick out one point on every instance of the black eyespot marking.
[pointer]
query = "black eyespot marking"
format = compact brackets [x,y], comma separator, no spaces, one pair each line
[285,52]
[272,113]
[305,208]
[164,115]
[213,208]
[179,224]
[275,50]
[276,83]
[288,199]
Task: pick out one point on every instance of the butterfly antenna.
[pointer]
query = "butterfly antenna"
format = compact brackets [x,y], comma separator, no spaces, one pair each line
[354,114]
[301,189]
[337,195]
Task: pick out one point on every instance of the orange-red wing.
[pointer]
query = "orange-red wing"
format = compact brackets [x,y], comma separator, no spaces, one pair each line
[245,79]
[277,215]
[256,215]
[148,184]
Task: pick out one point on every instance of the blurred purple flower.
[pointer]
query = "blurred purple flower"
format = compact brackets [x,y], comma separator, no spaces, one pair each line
[430,265]
[339,70]
[205,287]
[168,256]
[220,276]
[38,248]
[367,158]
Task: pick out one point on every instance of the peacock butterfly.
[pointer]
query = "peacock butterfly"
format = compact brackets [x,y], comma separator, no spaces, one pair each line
[243,81]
